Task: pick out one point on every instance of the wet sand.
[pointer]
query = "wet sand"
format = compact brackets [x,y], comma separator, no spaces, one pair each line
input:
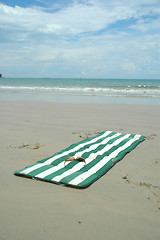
[122,204]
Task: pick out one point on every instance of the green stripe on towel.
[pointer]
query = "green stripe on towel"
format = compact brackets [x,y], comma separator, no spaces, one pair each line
[100,153]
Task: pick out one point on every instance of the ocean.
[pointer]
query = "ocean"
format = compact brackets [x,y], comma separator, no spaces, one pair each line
[128,91]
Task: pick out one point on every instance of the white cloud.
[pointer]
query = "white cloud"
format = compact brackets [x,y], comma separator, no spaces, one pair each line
[75,19]
[144,25]
[80,39]
[129,67]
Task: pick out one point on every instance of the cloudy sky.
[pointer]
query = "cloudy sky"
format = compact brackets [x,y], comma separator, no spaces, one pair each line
[80,38]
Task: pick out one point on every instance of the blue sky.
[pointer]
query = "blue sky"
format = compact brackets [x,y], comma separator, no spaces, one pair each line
[80,38]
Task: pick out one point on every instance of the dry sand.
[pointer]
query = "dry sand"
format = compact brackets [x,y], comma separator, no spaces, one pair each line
[123,204]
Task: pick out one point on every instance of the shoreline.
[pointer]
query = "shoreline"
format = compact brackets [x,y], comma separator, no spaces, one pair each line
[127,197]
[77,99]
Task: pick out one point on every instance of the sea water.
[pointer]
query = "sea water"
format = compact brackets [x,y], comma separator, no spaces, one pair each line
[136,91]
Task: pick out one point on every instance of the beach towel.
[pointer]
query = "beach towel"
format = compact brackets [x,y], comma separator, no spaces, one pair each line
[91,158]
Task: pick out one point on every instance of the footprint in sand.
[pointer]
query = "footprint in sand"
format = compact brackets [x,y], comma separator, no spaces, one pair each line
[155,190]
[126,178]
[87,134]
[157,161]
[151,137]
[29,146]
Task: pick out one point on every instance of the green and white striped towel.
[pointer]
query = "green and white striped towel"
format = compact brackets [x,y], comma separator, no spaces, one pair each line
[100,153]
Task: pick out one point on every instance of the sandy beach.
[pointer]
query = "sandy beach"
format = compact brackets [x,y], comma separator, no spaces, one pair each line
[122,204]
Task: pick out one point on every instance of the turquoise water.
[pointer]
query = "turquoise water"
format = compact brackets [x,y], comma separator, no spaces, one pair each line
[138,91]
